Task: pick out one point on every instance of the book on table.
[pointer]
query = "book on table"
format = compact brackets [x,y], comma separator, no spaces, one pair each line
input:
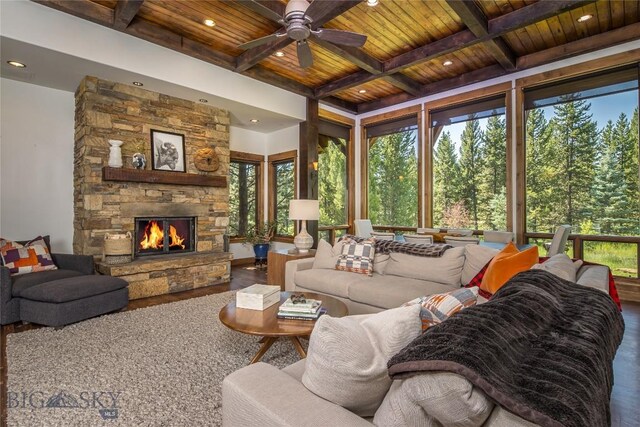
[292,315]
[257,297]
[309,306]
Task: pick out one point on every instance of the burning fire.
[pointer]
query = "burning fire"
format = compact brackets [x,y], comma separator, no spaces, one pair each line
[154,237]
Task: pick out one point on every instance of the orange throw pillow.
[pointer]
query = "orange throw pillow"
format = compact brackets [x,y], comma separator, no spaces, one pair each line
[507,264]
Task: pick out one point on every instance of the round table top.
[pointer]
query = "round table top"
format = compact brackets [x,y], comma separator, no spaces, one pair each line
[266,322]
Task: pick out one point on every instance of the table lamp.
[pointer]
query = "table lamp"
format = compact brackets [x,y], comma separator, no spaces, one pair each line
[304,210]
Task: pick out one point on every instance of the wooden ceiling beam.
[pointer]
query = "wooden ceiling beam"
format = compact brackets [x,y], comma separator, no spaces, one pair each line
[341,104]
[88,10]
[478,24]
[125,11]
[346,82]
[329,10]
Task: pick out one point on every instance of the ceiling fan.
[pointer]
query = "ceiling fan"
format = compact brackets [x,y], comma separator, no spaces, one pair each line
[297,20]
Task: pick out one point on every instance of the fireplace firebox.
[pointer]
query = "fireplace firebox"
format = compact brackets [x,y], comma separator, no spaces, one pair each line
[164,235]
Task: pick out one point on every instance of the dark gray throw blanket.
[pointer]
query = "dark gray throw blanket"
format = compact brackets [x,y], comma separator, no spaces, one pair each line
[542,348]
[433,250]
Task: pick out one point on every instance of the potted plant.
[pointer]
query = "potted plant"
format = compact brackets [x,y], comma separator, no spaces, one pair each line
[260,237]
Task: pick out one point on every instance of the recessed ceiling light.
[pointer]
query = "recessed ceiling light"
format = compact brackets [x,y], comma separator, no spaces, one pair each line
[203,100]
[372,3]
[254,120]
[584,18]
[137,84]
[447,63]
[17,64]
[362,91]
[279,54]
[209,22]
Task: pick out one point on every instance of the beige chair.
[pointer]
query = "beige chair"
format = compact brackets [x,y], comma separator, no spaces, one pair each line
[415,238]
[498,236]
[427,230]
[382,235]
[460,231]
[559,241]
[363,228]
[461,241]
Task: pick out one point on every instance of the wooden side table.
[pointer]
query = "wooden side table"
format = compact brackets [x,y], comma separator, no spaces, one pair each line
[276,261]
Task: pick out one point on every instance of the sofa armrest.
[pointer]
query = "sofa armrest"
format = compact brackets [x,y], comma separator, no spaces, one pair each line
[81,263]
[5,285]
[290,270]
[594,276]
[262,395]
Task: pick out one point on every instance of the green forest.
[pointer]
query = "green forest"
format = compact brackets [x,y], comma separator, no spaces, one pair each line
[332,180]
[242,184]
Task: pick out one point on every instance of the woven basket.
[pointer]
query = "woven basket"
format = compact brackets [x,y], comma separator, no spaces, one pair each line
[117,248]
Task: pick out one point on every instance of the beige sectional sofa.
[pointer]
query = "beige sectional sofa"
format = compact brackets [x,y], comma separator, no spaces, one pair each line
[398,278]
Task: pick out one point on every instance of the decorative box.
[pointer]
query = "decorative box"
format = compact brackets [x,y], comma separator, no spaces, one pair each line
[258,297]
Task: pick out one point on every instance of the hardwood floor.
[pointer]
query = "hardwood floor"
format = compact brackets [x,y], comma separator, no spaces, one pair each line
[625,412]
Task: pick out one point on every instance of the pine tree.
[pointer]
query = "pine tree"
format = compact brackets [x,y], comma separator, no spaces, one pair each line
[471,156]
[493,173]
[393,179]
[574,135]
[332,182]
[446,177]
[633,177]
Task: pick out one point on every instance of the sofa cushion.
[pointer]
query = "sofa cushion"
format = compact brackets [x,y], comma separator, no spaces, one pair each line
[509,262]
[475,258]
[392,291]
[296,370]
[562,266]
[594,276]
[30,258]
[434,399]
[74,288]
[357,257]
[347,358]
[332,282]
[446,269]
[26,281]
[327,255]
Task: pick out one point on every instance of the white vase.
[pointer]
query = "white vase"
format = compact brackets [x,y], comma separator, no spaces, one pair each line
[115,154]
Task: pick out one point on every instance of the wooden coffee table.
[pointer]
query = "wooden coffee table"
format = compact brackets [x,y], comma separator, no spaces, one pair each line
[267,325]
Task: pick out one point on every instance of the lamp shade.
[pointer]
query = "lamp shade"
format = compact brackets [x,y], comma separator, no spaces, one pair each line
[304,209]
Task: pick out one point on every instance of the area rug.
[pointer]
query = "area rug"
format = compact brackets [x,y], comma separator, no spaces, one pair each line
[157,366]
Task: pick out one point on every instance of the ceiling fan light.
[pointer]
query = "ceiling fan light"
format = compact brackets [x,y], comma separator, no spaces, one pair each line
[372,3]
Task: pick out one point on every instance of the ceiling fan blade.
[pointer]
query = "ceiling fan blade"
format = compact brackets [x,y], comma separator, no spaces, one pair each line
[259,42]
[317,9]
[304,54]
[347,38]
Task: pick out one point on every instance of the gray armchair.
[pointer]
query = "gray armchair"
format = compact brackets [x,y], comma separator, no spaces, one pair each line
[59,297]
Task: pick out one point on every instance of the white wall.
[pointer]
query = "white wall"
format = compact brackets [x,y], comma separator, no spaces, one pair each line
[36,158]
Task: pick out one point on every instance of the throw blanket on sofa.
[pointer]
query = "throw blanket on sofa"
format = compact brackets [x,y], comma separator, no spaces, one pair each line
[542,348]
[433,250]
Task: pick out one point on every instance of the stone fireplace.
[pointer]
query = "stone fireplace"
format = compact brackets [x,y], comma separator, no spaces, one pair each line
[192,205]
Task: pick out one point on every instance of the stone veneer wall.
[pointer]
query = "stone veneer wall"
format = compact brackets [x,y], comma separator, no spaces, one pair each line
[107,110]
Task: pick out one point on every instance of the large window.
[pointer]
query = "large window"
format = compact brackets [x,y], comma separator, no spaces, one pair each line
[282,188]
[245,189]
[392,149]
[469,165]
[582,163]
[333,149]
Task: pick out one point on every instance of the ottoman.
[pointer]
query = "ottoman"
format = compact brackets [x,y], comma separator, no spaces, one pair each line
[69,300]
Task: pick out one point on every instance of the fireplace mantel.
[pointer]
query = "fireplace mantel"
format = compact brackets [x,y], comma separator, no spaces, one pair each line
[162,177]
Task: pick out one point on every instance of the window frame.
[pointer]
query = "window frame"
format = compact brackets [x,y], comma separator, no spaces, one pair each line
[273,160]
[466,98]
[351,161]
[558,75]
[258,161]
[364,157]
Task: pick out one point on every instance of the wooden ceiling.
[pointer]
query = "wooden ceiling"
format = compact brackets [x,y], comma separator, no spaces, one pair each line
[407,41]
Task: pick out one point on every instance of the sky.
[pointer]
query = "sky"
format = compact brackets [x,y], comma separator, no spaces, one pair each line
[603,108]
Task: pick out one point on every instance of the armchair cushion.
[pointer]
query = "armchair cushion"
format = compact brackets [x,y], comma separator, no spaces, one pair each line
[74,288]
[26,281]
[33,257]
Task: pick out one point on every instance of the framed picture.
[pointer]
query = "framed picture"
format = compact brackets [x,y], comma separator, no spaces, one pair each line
[167,149]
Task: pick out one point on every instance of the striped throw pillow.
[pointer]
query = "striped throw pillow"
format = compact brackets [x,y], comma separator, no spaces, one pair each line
[439,307]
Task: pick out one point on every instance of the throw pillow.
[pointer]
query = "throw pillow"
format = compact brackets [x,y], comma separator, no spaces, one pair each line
[347,359]
[327,255]
[507,264]
[357,257]
[446,269]
[30,258]
[437,308]
[476,257]
[561,266]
